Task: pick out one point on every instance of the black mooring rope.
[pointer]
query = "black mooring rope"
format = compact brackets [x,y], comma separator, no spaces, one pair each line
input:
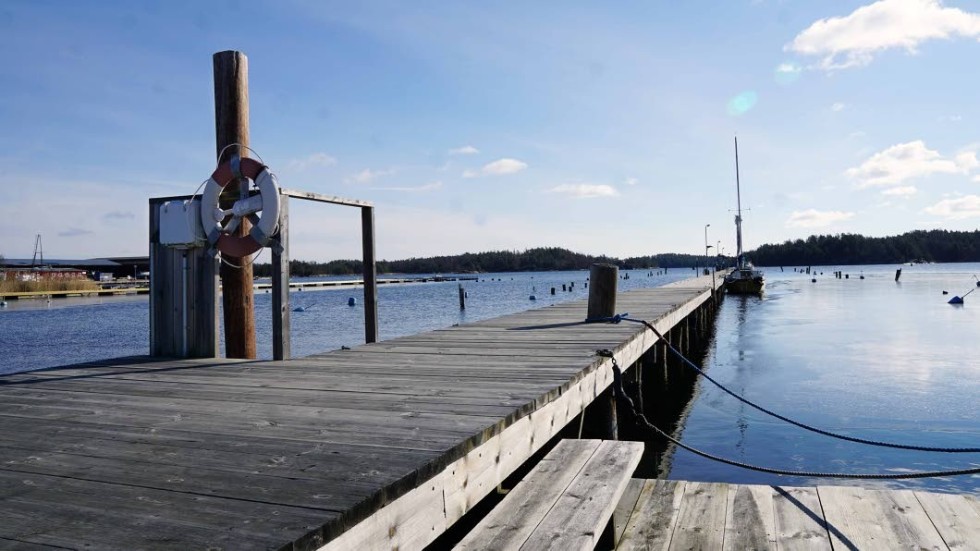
[641,418]
[624,317]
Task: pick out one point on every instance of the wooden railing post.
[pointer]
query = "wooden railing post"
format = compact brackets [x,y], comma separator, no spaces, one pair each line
[370,276]
[281,326]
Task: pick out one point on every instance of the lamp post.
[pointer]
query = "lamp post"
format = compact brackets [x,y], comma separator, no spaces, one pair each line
[706,246]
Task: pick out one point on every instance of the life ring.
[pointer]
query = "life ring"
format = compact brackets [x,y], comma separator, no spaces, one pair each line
[213,216]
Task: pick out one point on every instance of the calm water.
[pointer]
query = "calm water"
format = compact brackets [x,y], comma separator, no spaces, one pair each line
[869,358]
[35,333]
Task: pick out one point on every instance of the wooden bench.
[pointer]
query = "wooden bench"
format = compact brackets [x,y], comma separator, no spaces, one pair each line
[564,503]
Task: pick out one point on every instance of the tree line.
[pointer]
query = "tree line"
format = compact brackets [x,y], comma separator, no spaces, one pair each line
[840,249]
[846,248]
[532,260]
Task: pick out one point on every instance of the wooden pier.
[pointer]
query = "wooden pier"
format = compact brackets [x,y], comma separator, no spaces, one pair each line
[674,515]
[380,447]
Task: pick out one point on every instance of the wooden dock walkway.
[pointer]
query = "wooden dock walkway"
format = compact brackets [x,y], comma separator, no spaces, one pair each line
[675,515]
[379,447]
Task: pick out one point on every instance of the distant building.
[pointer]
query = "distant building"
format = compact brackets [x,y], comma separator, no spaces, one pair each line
[23,269]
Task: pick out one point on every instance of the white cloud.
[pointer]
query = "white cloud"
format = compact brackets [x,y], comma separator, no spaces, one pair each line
[585,191]
[901,191]
[311,161]
[788,68]
[853,40]
[497,168]
[431,186]
[956,209]
[465,150]
[976,178]
[837,107]
[787,73]
[631,181]
[367,176]
[812,218]
[906,161]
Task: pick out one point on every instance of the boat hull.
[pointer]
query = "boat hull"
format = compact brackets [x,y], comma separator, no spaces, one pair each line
[745,284]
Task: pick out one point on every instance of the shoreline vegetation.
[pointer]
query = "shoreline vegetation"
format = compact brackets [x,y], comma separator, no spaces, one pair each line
[817,250]
[45,285]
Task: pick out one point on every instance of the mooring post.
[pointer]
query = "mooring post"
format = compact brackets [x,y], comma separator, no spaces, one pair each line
[231,127]
[462,298]
[602,304]
[602,292]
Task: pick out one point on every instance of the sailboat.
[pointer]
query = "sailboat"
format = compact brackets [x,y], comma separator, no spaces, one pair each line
[744,279]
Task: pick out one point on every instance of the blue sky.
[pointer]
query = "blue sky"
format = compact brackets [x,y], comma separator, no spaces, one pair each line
[600,127]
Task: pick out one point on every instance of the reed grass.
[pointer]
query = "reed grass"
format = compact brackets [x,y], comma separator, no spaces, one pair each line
[48,285]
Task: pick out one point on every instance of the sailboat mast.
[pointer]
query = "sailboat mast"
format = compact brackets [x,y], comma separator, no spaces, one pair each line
[738,217]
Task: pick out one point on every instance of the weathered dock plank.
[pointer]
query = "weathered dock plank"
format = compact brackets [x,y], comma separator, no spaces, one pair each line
[679,515]
[381,446]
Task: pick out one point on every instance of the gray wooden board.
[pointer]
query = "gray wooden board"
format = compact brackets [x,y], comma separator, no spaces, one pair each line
[651,525]
[799,519]
[66,512]
[513,520]
[701,517]
[692,515]
[952,515]
[146,452]
[625,507]
[750,519]
[868,519]
[584,508]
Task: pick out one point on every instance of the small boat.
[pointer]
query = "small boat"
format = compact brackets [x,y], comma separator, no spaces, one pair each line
[744,279]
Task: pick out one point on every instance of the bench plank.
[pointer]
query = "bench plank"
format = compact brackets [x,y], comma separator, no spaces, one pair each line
[515,517]
[583,510]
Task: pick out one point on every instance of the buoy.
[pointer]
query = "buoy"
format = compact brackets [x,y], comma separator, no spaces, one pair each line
[862,277]
[956,300]
[945,292]
[3,303]
[814,280]
[352,301]
[299,309]
[532,297]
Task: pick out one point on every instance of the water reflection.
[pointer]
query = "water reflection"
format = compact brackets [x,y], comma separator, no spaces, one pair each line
[869,358]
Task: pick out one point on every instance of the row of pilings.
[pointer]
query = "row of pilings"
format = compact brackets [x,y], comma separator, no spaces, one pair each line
[660,385]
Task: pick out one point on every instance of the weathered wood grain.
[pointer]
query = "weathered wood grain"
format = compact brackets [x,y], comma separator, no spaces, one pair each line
[750,522]
[701,517]
[873,519]
[651,526]
[954,516]
[514,519]
[584,508]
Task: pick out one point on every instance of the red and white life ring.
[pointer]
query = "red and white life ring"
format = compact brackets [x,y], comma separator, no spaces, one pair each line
[219,232]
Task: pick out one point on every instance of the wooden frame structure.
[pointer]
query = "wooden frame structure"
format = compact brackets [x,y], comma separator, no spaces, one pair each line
[184,285]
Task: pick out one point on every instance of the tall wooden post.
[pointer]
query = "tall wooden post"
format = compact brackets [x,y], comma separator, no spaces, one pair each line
[370,275]
[231,126]
[281,326]
[602,292]
[602,304]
